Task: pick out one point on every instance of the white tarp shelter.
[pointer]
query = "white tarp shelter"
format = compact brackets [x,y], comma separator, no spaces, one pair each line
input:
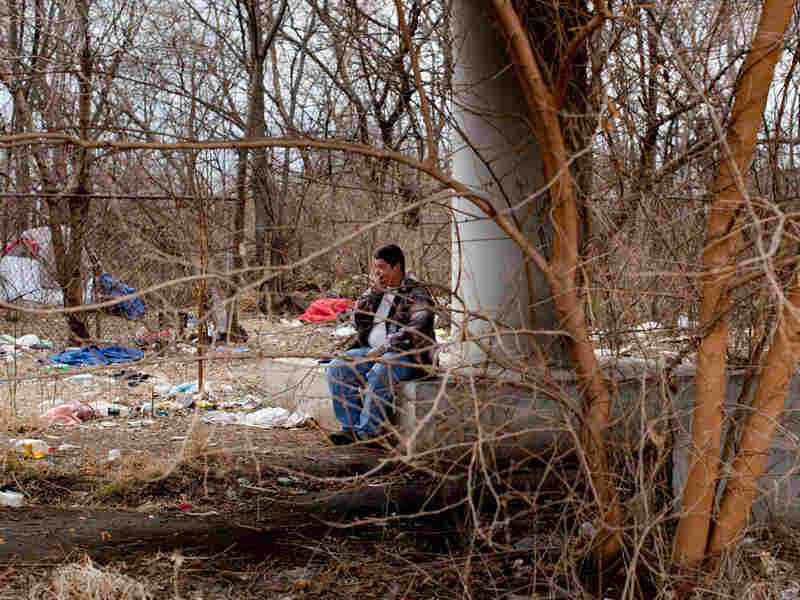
[28,267]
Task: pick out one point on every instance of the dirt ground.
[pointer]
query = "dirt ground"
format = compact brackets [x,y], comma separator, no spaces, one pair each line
[193,510]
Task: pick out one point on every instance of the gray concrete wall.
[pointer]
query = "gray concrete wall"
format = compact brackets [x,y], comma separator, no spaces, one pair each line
[444,414]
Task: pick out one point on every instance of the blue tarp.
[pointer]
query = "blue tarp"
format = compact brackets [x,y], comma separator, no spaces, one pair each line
[130,309]
[94,355]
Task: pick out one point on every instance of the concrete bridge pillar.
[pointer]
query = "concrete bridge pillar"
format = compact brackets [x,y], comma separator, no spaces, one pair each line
[495,154]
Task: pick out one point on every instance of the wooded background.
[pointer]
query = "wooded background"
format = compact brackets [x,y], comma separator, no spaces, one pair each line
[270,146]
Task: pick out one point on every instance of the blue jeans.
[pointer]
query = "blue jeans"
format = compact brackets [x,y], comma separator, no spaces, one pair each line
[364,413]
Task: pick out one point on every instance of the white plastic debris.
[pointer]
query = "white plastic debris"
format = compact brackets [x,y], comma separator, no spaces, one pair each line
[221,417]
[162,389]
[273,417]
[588,530]
[12,499]
[344,331]
[28,340]
[266,418]
[105,409]
[647,326]
[292,323]
[114,454]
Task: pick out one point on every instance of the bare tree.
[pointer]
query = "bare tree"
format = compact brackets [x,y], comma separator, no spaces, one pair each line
[722,241]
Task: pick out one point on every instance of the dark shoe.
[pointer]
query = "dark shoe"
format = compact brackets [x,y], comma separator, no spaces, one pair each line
[342,438]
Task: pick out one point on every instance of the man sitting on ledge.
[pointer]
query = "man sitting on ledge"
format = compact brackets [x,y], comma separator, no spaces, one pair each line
[394,319]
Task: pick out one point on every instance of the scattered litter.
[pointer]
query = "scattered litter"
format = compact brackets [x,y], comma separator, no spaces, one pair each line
[344,331]
[588,530]
[114,454]
[181,388]
[273,417]
[178,438]
[292,323]
[136,379]
[84,378]
[237,349]
[73,412]
[288,480]
[266,418]
[220,417]
[247,403]
[95,355]
[647,326]
[162,389]
[12,499]
[66,446]
[111,410]
[28,340]
[32,448]
[325,309]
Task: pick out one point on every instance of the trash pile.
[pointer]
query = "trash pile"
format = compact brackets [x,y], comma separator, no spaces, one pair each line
[224,404]
[12,348]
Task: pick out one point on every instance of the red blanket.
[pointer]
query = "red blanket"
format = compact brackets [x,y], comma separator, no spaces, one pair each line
[325,309]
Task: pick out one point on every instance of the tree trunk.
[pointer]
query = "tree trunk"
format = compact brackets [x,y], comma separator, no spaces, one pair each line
[721,246]
[544,109]
[763,418]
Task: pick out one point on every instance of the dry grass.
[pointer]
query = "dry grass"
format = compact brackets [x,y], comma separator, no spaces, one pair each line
[86,581]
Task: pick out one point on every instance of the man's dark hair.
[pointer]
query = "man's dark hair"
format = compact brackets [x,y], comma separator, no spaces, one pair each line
[391,254]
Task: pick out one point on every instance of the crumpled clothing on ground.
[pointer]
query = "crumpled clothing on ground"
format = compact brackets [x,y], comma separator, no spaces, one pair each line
[325,309]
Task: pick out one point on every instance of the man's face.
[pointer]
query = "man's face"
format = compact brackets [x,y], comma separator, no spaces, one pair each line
[386,275]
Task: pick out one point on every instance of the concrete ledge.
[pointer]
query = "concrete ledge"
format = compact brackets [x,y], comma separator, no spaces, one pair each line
[450,412]
[442,414]
[299,385]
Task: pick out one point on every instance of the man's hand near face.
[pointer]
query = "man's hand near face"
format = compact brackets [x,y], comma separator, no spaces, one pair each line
[373,353]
